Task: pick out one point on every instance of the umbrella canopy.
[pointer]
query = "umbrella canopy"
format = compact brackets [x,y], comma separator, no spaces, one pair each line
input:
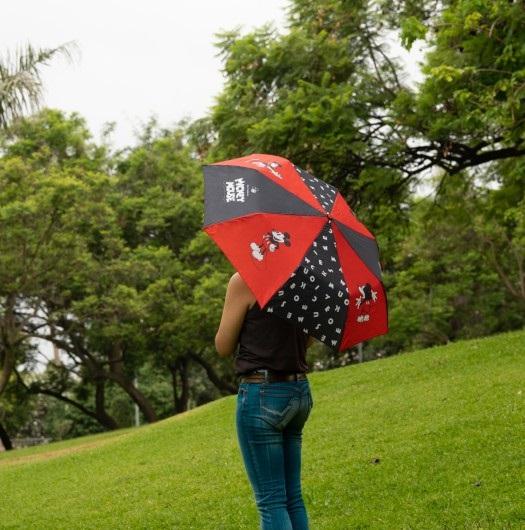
[298,246]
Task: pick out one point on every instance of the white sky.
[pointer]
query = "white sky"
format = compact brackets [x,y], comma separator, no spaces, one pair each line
[136,58]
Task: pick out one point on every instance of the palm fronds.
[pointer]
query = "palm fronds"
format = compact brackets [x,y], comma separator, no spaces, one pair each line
[20,81]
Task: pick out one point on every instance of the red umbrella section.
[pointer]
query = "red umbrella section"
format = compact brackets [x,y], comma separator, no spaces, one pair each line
[298,246]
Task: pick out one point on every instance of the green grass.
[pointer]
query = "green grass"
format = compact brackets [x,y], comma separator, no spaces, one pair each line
[432,439]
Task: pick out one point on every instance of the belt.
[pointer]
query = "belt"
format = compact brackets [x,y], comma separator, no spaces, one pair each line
[258,376]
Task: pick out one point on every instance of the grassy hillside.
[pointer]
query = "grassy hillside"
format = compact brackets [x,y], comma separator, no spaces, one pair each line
[433,439]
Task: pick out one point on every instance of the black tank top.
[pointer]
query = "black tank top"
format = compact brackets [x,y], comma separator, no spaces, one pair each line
[267,341]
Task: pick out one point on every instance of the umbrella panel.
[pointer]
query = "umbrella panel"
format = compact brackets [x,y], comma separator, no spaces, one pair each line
[335,294]
[232,191]
[325,193]
[315,297]
[367,311]
[266,248]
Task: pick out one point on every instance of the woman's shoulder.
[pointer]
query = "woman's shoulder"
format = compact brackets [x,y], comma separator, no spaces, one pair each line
[237,282]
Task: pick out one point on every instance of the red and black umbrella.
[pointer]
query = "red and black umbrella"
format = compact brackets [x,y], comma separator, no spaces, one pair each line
[298,246]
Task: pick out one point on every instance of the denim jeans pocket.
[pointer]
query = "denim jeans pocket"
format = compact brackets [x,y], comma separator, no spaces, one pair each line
[278,406]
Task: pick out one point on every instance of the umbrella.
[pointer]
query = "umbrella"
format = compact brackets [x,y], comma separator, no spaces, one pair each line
[298,246]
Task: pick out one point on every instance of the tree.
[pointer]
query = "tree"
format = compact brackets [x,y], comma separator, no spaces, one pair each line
[317,95]
[97,256]
[329,95]
[49,216]
[20,90]
[499,221]
[470,109]
[160,204]
[459,273]
[20,82]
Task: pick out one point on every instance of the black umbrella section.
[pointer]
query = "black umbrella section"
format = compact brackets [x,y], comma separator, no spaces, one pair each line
[364,247]
[325,193]
[316,297]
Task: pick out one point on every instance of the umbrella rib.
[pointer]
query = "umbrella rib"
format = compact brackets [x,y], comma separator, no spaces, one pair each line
[251,214]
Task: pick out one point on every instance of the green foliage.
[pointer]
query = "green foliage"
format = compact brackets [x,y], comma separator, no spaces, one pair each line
[46,216]
[473,90]
[412,29]
[448,283]
[159,191]
[91,244]
[500,225]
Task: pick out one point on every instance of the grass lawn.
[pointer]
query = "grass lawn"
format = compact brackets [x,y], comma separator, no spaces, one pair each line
[433,439]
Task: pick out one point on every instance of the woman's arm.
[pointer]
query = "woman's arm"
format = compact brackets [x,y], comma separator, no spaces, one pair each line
[236,303]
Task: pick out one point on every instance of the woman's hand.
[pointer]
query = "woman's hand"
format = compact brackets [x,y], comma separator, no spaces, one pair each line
[236,303]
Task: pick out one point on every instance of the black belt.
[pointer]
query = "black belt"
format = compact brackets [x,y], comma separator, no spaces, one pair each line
[258,376]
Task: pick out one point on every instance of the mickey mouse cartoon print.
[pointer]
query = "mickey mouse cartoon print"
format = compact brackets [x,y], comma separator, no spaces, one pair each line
[272,167]
[270,242]
[363,302]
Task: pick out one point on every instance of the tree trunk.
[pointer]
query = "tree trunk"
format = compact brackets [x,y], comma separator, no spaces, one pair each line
[7,360]
[8,336]
[104,419]
[224,386]
[100,414]
[185,384]
[5,439]
[100,409]
[118,374]
[180,368]
[96,371]
[136,395]
[516,290]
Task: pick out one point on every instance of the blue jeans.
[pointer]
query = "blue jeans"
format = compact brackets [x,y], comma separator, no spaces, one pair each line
[270,417]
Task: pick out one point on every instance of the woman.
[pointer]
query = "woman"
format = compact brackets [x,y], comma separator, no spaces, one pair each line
[273,403]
